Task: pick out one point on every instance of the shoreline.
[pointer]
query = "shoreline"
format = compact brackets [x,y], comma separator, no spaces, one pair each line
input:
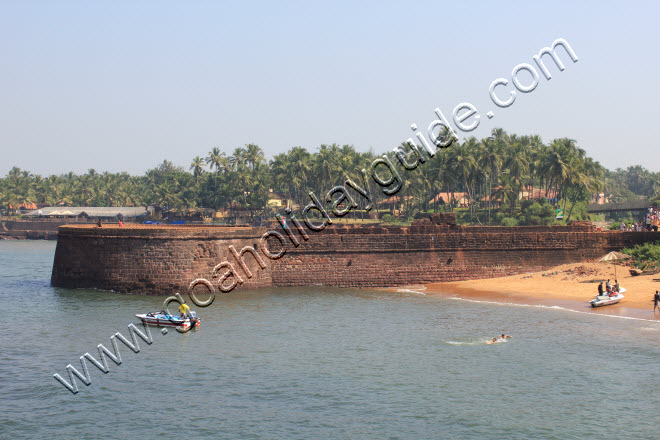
[569,286]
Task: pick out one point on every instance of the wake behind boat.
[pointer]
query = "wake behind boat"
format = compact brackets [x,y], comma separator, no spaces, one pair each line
[164,319]
[606,300]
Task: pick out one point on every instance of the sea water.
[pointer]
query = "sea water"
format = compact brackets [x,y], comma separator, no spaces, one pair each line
[318,363]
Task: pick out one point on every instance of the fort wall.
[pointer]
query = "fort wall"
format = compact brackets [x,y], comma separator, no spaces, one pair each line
[161,259]
[148,259]
[37,229]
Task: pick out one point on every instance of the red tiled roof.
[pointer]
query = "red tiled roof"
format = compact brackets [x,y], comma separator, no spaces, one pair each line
[31,206]
[395,199]
[445,197]
[538,193]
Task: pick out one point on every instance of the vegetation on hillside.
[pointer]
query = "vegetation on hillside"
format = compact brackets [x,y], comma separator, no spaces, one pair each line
[646,255]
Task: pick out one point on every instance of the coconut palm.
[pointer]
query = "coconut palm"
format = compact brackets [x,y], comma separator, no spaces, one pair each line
[516,166]
[490,162]
[237,158]
[217,159]
[299,168]
[197,167]
[254,156]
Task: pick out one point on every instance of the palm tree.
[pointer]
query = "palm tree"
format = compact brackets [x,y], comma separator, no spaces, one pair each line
[516,166]
[325,164]
[216,159]
[237,158]
[490,162]
[197,166]
[299,162]
[466,168]
[254,155]
[499,136]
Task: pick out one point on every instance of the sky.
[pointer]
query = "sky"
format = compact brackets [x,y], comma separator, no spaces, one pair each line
[124,85]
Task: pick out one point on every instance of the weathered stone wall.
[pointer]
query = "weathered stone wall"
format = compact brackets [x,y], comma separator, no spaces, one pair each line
[34,225]
[29,234]
[165,259]
[42,229]
[395,256]
[150,259]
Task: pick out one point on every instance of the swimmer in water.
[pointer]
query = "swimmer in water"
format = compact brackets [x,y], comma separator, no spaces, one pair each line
[502,338]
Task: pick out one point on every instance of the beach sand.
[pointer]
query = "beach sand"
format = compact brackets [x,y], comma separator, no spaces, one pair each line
[570,285]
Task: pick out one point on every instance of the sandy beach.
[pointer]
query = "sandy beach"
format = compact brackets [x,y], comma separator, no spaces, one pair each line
[569,285]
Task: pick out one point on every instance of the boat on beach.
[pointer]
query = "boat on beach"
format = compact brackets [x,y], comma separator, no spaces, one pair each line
[606,299]
[164,319]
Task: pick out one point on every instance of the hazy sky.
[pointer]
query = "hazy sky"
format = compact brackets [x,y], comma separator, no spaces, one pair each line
[120,86]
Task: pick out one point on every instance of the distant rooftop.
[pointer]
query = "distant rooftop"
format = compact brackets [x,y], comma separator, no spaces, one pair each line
[89,211]
[633,205]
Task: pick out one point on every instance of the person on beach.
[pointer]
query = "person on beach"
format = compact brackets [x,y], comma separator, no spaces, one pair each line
[656,300]
[99,224]
[121,224]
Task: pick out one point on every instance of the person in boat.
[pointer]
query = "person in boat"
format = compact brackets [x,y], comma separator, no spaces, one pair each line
[600,288]
[608,286]
[656,301]
[617,287]
[185,310]
[615,290]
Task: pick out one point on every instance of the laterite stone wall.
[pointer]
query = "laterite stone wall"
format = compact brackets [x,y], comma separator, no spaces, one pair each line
[162,259]
[390,256]
[150,259]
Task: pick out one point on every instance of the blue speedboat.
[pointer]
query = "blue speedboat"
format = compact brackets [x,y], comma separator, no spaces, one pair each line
[164,319]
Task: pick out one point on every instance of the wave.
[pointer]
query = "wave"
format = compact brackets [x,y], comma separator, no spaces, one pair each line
[408,290]
[465,343]
[480,342]
[541,306]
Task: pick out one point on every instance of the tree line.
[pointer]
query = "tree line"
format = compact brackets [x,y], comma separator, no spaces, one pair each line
[492,172]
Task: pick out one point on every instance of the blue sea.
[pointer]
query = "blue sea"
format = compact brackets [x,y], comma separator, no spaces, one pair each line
[318,363]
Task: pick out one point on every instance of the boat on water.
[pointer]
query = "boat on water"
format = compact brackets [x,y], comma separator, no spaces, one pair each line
[164,319]
[606,299]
